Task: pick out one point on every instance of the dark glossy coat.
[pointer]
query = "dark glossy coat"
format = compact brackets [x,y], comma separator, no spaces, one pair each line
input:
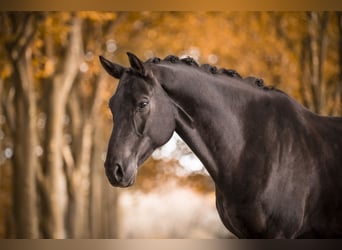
[276,165]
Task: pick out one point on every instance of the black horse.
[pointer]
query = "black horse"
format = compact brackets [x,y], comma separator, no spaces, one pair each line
[277,166]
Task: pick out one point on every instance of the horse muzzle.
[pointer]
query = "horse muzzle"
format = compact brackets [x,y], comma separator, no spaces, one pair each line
[120,176]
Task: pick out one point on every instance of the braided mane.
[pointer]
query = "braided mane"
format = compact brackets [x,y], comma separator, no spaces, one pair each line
[210,69]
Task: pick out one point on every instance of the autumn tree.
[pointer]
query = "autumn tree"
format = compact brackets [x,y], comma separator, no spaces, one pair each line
[76,97]
[21,113]
[51,172]
[313,58]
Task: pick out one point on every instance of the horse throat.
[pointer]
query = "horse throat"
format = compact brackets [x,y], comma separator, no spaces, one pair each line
[206,121]
[202,140]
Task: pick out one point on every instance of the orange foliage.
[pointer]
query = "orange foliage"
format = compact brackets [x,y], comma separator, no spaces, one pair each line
[263,44]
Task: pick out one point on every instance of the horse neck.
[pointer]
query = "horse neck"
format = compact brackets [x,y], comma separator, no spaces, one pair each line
[215,106]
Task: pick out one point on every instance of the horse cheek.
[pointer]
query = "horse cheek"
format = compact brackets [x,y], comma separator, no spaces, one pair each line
[140,123]
[163,126]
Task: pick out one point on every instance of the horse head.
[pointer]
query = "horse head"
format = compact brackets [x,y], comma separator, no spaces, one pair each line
[143,117]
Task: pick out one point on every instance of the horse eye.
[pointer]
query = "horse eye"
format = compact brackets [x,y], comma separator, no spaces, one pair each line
[142,105]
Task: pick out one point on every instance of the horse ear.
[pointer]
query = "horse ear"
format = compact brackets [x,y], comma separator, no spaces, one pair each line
[113,69]
[136,63]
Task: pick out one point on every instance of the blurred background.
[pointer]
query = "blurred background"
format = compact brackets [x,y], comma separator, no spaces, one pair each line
[55,122]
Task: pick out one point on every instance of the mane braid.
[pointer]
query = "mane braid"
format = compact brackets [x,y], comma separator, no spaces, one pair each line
[209,68]
[171,58]
[154,60]
[190,61]
[229,72]
[255,81]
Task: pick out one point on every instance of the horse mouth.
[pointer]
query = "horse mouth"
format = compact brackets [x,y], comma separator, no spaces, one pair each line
[131,181]
[123,183]
[127,184]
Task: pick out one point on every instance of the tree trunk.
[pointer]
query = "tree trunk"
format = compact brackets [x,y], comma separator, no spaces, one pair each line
[317,25]
[25,143]
[52,177]
[79,165]
[25,138]
[78,185]
[53,187]
[103,201]
[96,209]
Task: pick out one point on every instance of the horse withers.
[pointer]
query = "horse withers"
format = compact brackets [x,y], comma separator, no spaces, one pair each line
[277,167]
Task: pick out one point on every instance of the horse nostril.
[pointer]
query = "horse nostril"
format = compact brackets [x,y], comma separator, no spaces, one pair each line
[118,173]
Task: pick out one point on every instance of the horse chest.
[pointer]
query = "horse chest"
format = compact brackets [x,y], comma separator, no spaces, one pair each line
[240,220]
[247,220]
